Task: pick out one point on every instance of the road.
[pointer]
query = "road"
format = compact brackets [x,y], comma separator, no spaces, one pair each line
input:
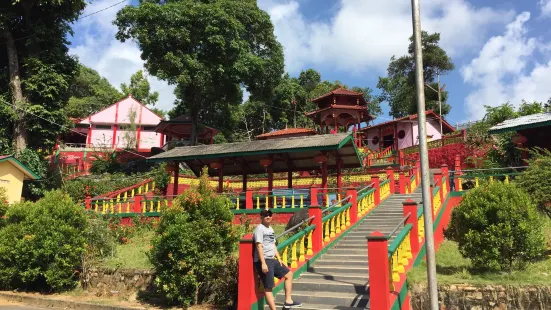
[8,305]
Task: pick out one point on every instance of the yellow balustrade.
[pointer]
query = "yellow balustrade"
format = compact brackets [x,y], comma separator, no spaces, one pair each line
[144,206]
[283,201]
[475,182]
[152,185]
[140,190]
[309,250]
[294,255]
[284,255]
[266,205]
[327,200]
[437,203]
[327,233]
[103,207]
[258,202]
[301,201]
[147,187]
[395,265]
[151,204]
[301,257]
[491,179]
[275,202]
[421,225]
[507,179]
[237,203]
[337,223]
[332,228]
[96,205]
[293,201]
[348,217]
[159,206]
[132,193]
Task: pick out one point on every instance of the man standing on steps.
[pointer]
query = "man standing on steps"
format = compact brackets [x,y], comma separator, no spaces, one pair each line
[268,264]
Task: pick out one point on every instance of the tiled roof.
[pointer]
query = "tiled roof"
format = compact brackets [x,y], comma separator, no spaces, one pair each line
[523,122]
[410,117]
[287,131]
[339,91]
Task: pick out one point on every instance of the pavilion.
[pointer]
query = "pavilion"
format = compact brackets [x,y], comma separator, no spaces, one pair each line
[531,131]
[304,153]
[178,132]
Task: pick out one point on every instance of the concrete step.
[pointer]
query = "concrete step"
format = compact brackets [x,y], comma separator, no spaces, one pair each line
[342,277]
[316,285]
[337,262]
[309,306]
[344,257]
[347,250]
[328,298]
[330,269]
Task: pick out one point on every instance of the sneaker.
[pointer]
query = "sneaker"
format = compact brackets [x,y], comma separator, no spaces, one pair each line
[295,304]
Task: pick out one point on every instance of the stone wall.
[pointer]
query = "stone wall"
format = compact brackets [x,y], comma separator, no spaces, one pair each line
[117,282]
[491,297]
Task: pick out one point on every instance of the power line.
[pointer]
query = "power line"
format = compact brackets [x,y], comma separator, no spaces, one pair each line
[78,19]
[62,126]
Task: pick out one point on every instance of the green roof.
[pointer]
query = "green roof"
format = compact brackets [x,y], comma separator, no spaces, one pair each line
[294,153]
[523,122]
[28,172]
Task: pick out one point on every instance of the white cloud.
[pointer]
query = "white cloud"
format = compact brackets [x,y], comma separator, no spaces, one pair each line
[505,70]
[116,61]
[545,6]
[363,35]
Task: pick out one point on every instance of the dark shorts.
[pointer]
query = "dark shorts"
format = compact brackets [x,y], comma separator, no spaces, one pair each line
[275,269]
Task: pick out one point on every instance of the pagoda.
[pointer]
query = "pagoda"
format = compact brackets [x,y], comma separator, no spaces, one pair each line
[340,108]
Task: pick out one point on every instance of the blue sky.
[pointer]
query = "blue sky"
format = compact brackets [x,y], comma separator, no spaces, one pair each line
[501,49]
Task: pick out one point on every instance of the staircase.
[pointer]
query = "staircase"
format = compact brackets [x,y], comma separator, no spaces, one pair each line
[340,278]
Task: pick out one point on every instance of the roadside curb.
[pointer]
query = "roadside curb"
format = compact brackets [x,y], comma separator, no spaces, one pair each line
[58,303]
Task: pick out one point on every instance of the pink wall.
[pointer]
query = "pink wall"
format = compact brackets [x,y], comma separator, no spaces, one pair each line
[433,128]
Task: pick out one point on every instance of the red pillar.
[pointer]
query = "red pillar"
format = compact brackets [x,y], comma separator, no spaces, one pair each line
[390,176]
[410,207]
[446,175]
[438,182]
[339,173]
[114,140]
[249,199]
[401,158]
[324,176]
[138,204]
[162,142]
[314,196]
[176,176]
[377,187]
[457,172]
[88,202]
[379,278]
[245,277]
[221,179]
[317,234]
[402,182]
[353,194]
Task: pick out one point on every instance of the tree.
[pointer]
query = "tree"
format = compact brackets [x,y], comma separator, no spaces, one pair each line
[209,49]
[398,89]
[373,102]
[140,89]
[90,93]
[38,67]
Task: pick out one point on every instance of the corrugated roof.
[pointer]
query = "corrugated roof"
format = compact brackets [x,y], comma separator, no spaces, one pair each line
[523,122]
[245,156]
[286,131]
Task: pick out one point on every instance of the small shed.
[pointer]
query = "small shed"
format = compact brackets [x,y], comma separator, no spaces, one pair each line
[12,175]
[531,130]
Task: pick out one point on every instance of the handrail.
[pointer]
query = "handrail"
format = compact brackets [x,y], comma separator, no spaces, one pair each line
[336,204]
[292,228]
[366,187]
[435,190]
[520,167]
[398,226]
[295,237]
[393,247]
[336,212]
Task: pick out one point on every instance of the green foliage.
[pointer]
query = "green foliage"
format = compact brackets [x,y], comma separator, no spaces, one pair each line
[90,93]
[105,163]
[398,89]
[161,177]
[208,49]
[140,89]
[193,246]
[497,227]
[100,243]
[219,139]
[78,188]
[37,163]
[536,180]
[42,243]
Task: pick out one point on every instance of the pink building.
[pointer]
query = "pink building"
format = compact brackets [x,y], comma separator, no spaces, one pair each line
[402,132]
[112,128]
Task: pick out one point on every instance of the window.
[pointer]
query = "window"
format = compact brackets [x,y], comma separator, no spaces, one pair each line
[103,126]
[401,134]
[375,140]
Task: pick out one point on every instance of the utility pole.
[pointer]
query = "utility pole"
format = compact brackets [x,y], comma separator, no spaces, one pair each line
[423,152]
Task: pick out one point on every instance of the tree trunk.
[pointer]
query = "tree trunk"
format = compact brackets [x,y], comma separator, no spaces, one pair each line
[18,100]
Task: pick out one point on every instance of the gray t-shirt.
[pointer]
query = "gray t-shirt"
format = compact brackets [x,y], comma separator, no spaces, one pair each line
[266,236]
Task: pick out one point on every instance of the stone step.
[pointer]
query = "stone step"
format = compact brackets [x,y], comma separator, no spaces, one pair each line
[317,285]
[344,257]
[330,269]
[328,298]
[346,250]
[342,277]
[309,306]
[338,262]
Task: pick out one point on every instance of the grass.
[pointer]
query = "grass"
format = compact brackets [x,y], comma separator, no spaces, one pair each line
[452,268]
[132,254]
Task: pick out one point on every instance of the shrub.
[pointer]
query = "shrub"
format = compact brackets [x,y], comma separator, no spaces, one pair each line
[536,180]
[161,177]
[94,186]
[194,242]
[41,244]
[497,227]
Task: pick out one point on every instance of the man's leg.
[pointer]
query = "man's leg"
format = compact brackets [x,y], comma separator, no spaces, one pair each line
[288,287]
[270,298]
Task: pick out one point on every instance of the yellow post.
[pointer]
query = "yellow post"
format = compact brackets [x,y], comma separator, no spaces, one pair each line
[327,199]
[301,201]
[283,202]
[96,206]
[394,266]
[475,182]
[332,228]
[159,206]
[258,202]
[132,194]
[293,201]
[348,217]
[237,202]
[284,256]
[301,249]
[140,189]
[327,233]
[103,207]
[309,250]
[144,206]
[112,205]
[147,187]
[337,223]
[343,220]
[152,185]
[275,202]
[507,179]
[294,255]
[491,179]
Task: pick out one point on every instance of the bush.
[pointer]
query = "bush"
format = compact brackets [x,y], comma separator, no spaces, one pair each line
[161,177]
[41,244]
[497,227]
[193,246]
[94,186]
[536,180]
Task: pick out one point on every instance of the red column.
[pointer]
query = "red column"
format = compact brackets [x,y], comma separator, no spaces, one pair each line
[438,182]
[176,176]
[114,140]
[138,204]
[390,176]
[314,196]
[162,140]
[245,276]
[324,177]
[402,182]
[410,207]
[317,234]
[249,199]
[354,208]
[446,175]
[89,135]
[457,173]
[88,202]
[138,137]
[339,173]
[220,179]
[379,277]
[377,187]
[401,158]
